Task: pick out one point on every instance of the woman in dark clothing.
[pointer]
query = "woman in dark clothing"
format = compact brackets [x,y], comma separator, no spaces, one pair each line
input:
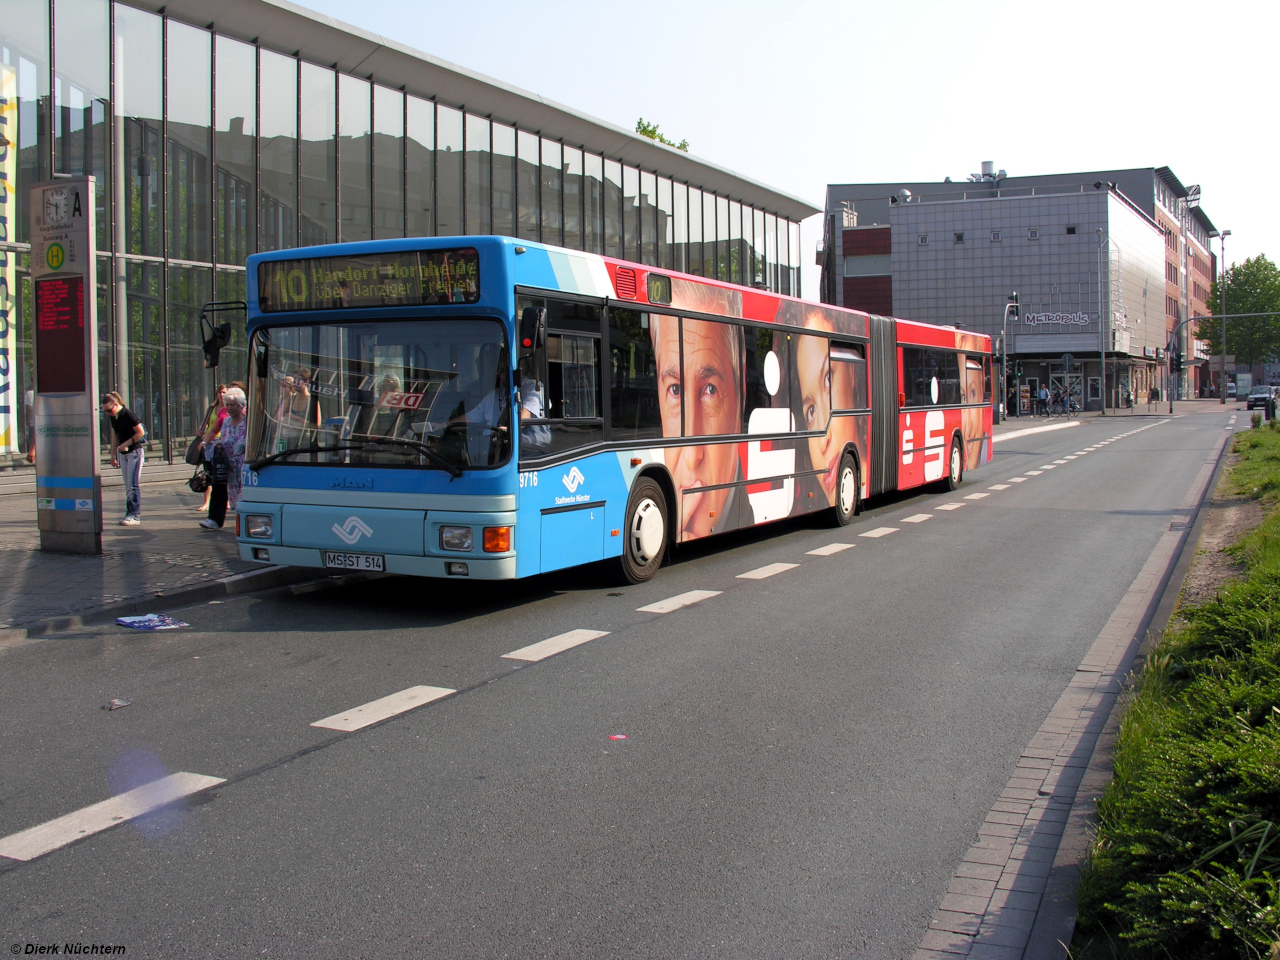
[127,453]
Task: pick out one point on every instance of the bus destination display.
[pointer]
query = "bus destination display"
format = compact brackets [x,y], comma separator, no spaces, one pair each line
[408,279]
[60,334]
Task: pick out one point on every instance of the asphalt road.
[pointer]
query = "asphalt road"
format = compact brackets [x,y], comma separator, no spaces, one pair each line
[807,756]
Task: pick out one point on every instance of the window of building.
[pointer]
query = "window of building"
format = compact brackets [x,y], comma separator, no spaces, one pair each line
[388,163]
[236,208]
[479,175]
[1071,231]
[420,167]
[449,171]
[995,236]
[528,165]
[923,240]
[959,238]
[573,198]
[318,213]
[552,193]
[1033,234]
[355,159]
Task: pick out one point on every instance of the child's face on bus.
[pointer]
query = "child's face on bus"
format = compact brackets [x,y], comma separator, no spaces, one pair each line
[708,392]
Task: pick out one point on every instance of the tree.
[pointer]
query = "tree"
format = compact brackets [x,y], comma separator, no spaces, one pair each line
[651,131]
[1251,287]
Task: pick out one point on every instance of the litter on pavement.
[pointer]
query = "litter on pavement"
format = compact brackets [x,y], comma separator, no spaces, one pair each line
[151,621]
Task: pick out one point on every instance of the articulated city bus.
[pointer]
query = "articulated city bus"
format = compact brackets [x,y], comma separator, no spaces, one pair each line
[490,408]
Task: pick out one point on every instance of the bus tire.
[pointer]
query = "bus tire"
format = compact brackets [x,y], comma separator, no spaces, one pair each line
[955,465]
[645,535]
[848,490]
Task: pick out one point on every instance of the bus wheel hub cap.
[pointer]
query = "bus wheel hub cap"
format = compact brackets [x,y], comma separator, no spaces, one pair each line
[846,490]
[646,531]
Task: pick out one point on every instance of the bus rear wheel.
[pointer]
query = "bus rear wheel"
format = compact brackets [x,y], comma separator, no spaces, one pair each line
[955,465]
[645,541]
[847,491]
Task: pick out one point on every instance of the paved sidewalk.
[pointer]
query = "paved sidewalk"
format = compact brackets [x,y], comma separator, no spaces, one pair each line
[167,553]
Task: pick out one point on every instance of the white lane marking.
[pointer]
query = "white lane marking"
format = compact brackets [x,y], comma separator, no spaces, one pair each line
[553,645]
[998,486]
[977,496]
[1012,434]
[1081,453]
[1034,473]
[918,518]
[879,532]
[1017,479]
[1059,462]
[678,601]
[760,573]
[376,711]
[49,836]
[1072,456]
[828,550]
[1048,466]
[949,506]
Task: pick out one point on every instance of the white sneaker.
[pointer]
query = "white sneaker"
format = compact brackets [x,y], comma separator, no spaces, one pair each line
[208,524]
[130,522]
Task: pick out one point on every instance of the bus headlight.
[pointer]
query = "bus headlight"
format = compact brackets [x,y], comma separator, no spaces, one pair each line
[497,539]
[455,538]
[259,528]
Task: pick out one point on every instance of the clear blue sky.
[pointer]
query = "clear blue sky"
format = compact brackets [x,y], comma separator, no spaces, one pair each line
[800,94]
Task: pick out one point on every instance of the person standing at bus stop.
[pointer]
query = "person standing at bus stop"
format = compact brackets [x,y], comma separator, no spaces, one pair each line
[1044,400]
[225,456]
[127,453]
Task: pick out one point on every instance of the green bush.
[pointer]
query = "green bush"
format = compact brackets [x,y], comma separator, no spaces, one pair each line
[1187,859]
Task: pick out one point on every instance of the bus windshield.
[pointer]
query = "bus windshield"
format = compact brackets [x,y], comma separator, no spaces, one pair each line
[402,393]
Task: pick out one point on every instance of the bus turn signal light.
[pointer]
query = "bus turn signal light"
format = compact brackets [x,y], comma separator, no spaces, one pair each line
[497,539]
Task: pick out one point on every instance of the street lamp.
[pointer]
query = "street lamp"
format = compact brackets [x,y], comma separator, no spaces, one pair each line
[1011,306]
[1222,310]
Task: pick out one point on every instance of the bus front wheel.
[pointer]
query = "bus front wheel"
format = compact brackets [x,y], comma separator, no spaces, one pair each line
[846,491]
[646,532]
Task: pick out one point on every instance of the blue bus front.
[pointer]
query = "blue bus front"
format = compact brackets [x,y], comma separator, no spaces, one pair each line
[380,409]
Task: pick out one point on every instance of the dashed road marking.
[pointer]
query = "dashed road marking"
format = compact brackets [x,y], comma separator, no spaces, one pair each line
[772,569]
[376,711]
[918,518]
[977,496]
[54,834]
[998,486]
[1072,456]
[553,645]
[678,601]
[879,532]
[949,506]
[1048,466]
[1017,479]
[1034,473]
[828,550]
[1059,462]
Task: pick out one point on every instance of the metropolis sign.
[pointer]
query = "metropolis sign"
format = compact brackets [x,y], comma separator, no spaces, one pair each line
[1037,318]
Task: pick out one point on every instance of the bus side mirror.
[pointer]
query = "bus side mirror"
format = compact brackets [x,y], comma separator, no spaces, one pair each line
[533,320]
[216,337]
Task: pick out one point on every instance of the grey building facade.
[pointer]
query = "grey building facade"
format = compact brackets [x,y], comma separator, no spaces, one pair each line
[1106,265]
[218,128]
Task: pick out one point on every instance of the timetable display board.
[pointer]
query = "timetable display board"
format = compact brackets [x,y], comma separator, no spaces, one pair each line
[60,345]
[403,279]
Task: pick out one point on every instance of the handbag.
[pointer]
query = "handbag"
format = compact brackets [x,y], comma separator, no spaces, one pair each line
[199,481]
[193,456]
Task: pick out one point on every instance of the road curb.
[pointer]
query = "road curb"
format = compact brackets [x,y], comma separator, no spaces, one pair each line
[235,585]
[1056,917]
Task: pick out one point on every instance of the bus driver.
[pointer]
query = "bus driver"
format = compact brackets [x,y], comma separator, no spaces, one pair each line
[711,388]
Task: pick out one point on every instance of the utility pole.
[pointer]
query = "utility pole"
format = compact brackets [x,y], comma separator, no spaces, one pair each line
[1222,310]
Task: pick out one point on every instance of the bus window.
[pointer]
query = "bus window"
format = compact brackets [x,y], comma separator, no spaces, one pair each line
[633,375]
[767,380]
[848,377]
[930,377]
[573,381]
[813,382]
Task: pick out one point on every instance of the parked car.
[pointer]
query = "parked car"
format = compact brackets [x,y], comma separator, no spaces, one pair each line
[1259,396]
[1231,389]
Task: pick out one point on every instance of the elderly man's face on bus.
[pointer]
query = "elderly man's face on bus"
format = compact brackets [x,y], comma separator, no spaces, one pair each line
[710,392]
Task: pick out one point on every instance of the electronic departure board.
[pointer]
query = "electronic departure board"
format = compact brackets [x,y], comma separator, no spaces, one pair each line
[407,279]
[60,334]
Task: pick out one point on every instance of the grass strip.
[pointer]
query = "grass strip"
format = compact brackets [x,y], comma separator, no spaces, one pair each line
[1186,862]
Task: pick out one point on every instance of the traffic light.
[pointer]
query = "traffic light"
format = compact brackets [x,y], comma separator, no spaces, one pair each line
[1175,362]
[1017,369]
[1013,300]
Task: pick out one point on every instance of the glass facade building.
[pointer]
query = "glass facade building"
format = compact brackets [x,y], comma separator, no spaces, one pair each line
[211,143]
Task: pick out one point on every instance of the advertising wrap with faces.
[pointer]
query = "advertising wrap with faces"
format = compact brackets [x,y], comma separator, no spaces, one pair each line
[723,379]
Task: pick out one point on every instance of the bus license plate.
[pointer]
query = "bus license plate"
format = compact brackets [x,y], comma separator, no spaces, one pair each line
[353,561]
